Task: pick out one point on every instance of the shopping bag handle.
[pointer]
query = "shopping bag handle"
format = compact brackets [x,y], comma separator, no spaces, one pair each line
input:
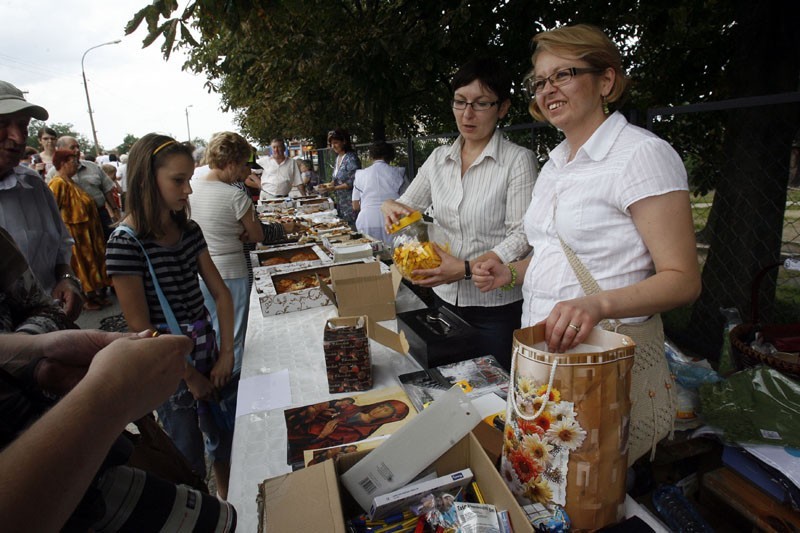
[512,386]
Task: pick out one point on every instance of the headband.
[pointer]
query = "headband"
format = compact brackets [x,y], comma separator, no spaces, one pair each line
[171,141]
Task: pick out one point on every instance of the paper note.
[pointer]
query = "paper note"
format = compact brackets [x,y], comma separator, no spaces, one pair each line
[264,393]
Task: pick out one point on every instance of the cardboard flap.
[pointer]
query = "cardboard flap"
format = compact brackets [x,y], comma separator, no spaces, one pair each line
[327,291]
[359,270]
[397,277]
[387,337]
[320,489]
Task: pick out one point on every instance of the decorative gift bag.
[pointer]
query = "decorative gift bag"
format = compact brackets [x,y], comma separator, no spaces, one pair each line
[566,436]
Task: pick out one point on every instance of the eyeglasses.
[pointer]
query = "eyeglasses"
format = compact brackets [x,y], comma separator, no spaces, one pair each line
[534,86]
[461,105]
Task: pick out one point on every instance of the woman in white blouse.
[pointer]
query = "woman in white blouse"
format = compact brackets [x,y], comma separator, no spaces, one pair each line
[477,189]
[373,186]
[615,193]
[609,222]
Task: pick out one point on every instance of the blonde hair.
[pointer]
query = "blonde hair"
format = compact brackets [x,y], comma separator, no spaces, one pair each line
[586,42]
[225,148]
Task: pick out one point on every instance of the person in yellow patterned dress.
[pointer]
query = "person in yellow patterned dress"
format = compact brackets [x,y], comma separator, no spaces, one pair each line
[79,212]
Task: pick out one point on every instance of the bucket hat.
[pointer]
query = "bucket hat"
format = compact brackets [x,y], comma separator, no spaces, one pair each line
[13,101]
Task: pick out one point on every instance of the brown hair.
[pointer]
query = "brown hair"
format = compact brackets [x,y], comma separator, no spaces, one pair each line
[340,134]
[61,156]
[225,148]
[147,155]
[585,42]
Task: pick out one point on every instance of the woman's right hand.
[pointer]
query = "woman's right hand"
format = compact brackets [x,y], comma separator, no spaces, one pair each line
[490,274]
[394,211]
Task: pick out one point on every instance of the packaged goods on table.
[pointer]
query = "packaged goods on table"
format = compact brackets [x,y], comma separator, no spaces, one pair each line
[347,356]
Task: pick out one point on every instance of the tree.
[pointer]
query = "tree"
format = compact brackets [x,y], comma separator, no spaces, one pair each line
[61,129]
[127,142]
[377,68]
[383,67]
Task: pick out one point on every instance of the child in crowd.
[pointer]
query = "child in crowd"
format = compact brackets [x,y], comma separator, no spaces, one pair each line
[159,170]
[111,171]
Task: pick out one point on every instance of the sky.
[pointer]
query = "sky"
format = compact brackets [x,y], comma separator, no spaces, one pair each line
[132,90]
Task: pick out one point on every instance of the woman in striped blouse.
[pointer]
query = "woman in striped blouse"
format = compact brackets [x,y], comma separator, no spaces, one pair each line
[477,190]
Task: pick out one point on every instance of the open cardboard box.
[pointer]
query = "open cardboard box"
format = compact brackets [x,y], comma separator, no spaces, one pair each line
[345,380]
[376,332]
[272,303]
[312,499]
[363,289]
[287,252]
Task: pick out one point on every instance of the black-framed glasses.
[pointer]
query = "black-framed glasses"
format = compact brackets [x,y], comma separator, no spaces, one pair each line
[461,105]
[534,86]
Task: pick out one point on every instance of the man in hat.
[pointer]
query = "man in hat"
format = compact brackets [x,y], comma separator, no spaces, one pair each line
[28,210]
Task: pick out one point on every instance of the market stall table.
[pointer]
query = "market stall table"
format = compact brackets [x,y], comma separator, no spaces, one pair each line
[293,341]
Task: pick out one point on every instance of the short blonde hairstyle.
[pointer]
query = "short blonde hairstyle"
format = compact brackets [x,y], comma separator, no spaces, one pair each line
[585,42]
[225,148]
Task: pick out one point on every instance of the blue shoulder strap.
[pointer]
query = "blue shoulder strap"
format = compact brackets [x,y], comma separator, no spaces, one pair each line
[172,322]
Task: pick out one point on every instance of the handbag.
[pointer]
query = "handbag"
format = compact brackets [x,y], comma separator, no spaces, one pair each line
[567,425]
[204,354]
[653,402]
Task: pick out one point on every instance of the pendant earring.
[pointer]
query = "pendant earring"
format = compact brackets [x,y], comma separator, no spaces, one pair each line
[605,106]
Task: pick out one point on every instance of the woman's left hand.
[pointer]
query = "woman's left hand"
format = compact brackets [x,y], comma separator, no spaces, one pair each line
[570,322]
[451,269]
[221,372]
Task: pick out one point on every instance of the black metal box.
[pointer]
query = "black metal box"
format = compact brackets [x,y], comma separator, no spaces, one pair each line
[437,336]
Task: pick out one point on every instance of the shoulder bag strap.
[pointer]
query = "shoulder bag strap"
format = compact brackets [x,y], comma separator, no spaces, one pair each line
[585,278]
[172,322]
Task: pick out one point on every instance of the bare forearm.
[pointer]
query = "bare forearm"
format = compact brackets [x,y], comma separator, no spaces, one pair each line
[36,471]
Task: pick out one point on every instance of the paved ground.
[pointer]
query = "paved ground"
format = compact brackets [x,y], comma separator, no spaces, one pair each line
[92,319]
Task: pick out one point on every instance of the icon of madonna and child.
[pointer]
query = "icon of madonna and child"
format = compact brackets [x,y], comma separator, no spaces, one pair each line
[345,421]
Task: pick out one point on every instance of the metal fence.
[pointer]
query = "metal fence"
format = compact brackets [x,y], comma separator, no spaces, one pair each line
[741,156]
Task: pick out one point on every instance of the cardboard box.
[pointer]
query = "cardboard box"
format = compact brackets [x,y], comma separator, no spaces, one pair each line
[313,204]
[403,456]
[287,251]
[341,356]
[313,500]
[367,288]
[272,303]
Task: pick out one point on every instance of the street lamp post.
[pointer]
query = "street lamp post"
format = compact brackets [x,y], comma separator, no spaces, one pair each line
[188,133]
[86,88]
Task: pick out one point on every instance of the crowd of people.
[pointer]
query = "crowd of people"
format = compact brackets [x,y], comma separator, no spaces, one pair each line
[610,206]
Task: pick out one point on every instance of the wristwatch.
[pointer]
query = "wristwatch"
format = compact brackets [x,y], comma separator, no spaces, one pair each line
[73,279]
[467,271]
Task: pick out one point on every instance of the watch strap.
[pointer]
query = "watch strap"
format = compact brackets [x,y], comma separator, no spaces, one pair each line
[467,270]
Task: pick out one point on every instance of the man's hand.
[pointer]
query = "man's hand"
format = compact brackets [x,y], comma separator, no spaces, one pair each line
[70,297]
[66,355]
[137,373]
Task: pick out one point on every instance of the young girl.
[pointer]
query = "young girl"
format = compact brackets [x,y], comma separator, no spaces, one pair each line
[159,169]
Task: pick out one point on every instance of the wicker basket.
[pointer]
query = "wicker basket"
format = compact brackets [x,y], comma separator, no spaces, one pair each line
[742,335]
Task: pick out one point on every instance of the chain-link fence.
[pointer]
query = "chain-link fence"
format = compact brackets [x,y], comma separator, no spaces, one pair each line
[741,157]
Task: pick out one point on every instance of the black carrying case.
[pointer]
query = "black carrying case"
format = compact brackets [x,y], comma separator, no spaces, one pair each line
[437,336]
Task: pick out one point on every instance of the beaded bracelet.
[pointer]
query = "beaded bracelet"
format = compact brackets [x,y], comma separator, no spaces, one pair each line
[511,284]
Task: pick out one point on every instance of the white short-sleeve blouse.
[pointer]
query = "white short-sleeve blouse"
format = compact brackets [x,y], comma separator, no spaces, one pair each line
[586,201]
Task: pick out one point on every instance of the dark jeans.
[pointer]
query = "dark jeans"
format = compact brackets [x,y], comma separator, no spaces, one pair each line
[495,327]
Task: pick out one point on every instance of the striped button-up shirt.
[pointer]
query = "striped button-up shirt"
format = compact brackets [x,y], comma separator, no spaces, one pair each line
[479,212]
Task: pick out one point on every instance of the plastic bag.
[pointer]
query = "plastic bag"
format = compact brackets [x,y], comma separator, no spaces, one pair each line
[757,405]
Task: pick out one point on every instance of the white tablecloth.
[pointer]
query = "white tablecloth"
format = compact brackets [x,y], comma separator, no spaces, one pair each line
[293,341]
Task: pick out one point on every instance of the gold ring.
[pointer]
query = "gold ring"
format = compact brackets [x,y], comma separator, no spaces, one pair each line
[576,328]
